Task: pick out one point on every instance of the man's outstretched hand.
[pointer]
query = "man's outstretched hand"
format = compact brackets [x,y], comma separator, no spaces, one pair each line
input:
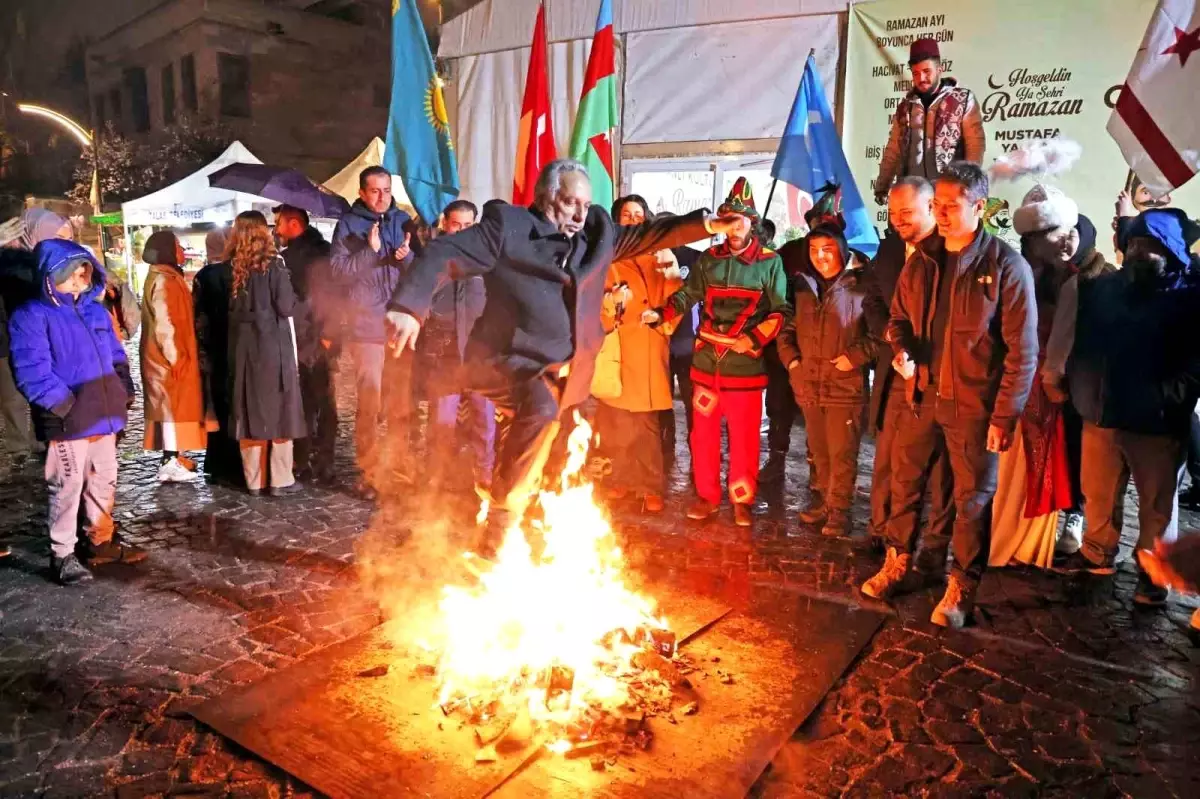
[725,224]
[403,329]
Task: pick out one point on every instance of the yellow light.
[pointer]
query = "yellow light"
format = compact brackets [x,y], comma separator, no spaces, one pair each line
[72,127]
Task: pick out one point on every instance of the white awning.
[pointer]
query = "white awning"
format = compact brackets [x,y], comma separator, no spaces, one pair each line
[193,201]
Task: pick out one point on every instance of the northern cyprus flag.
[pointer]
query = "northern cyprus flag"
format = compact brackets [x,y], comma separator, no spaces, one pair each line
[596,121]
[1155,121]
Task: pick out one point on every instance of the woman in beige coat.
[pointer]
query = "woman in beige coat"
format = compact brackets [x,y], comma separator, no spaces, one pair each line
[171,387]
[627,422]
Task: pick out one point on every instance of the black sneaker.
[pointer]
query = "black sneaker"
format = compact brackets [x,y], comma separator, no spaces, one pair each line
[1077,563]
[1147,594]
[69,571]
[290,490]
[112,551]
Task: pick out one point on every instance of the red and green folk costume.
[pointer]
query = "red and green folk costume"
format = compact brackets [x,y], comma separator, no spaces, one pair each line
[743,294]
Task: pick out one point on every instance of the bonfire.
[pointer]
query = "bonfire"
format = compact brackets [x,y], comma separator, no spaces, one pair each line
[551,640]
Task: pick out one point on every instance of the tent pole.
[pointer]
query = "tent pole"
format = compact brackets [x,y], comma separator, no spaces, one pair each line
[770,196]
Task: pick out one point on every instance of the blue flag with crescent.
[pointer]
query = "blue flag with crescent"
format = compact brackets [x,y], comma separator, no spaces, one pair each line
[418,146]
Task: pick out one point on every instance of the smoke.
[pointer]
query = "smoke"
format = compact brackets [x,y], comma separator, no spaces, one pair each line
[1037,160]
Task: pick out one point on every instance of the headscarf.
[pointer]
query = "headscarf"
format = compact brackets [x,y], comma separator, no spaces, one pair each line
[1087,241]
[161,249]
[39,225]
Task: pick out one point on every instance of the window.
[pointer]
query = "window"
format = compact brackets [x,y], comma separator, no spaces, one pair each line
[168,94]
[139,98]
[114,107]
[233,73]
[187,81]
[98,111]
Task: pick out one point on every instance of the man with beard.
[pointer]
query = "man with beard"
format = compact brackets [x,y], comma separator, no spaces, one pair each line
[936,123]
[910,212]
[1134,377]
[533,349]
[744,291]
[964,333]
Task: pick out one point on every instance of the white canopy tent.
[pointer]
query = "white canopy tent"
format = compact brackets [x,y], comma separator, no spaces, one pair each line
[192,201]
[345,182]
[711,80]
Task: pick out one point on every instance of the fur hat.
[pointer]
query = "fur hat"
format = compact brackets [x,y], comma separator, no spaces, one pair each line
[1044,208]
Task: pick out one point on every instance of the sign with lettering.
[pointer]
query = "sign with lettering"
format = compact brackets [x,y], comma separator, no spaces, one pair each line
[1039,69]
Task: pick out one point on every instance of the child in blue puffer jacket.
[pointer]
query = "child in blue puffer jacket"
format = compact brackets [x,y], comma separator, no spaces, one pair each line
[71,368]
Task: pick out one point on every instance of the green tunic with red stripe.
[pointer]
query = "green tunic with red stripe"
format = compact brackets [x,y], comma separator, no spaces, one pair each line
[742,294]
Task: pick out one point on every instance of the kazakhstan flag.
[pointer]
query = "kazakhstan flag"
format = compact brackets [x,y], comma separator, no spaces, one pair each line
[418,134]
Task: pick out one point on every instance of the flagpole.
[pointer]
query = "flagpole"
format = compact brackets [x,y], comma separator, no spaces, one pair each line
[775,181]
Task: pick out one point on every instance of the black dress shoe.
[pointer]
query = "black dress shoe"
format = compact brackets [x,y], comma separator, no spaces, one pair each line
[69,571]
[290,490]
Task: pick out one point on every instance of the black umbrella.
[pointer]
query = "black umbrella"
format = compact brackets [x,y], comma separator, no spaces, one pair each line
[285,186]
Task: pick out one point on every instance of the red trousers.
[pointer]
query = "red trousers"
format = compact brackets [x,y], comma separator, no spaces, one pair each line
[742,411]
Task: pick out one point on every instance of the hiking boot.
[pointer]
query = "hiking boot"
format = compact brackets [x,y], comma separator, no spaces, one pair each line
[112,551]
[174,471]
[838,525]
[702,509]
[958,603]
[1077,563]
[931,561]
[1072,534]
[1147,594]
[772,471]
[653,503]
[742,515]
[289,490]
[69,571]
[815,513]
[889,579]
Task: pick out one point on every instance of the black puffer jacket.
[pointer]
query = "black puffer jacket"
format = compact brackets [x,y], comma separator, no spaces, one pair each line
[991,345]
[824,327]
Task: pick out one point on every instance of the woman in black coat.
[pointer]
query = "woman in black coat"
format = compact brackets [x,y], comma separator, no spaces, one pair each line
[265,411]
[211,289]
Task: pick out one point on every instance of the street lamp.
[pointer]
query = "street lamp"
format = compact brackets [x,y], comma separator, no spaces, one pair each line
[79,133]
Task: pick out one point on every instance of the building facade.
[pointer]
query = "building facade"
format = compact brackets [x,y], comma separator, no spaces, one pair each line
[302,84]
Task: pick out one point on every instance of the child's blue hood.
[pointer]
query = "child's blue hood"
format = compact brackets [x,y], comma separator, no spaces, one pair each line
[52,254]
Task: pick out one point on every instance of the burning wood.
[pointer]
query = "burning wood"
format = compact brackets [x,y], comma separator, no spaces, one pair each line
[558,637]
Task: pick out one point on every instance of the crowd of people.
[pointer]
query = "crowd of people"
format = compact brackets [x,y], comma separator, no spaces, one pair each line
[1012,393]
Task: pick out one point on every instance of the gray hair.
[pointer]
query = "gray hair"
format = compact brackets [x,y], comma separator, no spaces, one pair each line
[551,177]
[918,184]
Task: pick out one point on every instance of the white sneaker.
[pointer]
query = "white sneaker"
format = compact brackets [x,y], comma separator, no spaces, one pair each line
[175,472]
[1072,535]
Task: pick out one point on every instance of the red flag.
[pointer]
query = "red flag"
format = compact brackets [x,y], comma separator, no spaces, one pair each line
[535,141]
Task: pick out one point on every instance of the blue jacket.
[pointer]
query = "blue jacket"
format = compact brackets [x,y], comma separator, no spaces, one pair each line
[367,278]
[66,356]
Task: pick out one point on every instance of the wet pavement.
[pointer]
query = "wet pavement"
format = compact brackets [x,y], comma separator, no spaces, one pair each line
[1061,688]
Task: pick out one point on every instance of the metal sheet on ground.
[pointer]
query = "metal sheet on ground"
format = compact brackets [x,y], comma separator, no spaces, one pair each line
[351,736]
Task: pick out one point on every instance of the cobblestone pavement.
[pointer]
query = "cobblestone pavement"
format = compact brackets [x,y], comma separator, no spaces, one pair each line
[1061,688]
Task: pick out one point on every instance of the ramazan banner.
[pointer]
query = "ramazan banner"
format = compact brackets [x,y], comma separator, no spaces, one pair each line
[1038,68]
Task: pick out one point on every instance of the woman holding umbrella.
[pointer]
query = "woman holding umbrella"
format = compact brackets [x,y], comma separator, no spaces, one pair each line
[265,412]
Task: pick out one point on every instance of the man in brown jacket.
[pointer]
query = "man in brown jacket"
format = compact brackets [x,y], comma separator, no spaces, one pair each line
[964,333]
[937,122]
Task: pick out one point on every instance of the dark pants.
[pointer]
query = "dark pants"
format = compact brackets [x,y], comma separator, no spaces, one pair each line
[528,422]
[681,372]
[222,454]
[631,439]
[1073,429]
[935,426]
[939,482]
[1193,451]
[782,409]
[18,430]
[1110,458]
[315,452]
[384,387]
[834,434]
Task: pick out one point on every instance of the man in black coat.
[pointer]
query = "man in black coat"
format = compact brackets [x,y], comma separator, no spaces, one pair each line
[306,254]
[910,211]
[534,347]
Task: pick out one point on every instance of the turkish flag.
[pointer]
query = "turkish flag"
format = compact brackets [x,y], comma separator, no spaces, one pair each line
[1155,120]
[535,140]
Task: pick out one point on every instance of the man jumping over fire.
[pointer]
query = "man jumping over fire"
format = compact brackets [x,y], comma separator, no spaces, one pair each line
[533,350]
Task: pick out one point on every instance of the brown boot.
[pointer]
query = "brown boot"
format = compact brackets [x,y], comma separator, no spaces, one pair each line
[653,503]
[890,578]
[742,516]
[958,604]
[702,509]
